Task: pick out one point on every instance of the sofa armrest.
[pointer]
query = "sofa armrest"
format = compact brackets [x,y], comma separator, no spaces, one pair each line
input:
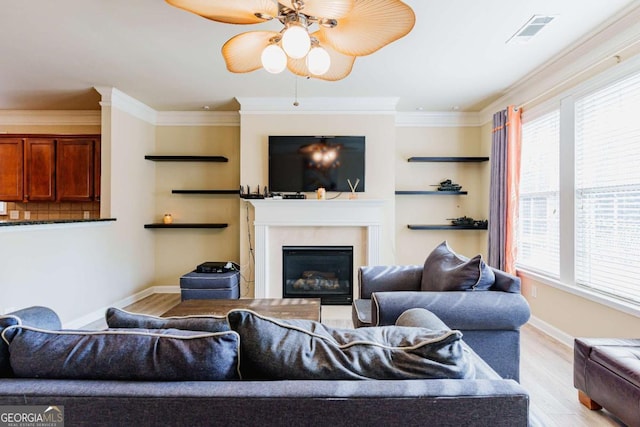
[38,317]
[383,278]
[465,310]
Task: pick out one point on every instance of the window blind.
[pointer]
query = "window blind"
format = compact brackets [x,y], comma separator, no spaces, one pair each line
[607,257]
[538,223]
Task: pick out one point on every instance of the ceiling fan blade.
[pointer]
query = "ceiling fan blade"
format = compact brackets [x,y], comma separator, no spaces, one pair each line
[341,65]
[242,52]
[332,9]
[230,12]
[371,25]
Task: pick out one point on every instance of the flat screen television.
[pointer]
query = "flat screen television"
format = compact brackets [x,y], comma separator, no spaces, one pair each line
[306,163]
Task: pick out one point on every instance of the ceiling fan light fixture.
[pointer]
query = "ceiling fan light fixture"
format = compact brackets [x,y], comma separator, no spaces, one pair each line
[273,58]
[318,61]
[347,29]
[296,40]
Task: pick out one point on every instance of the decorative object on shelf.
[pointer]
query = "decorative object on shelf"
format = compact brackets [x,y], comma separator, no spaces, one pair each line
[353,187]
[167,218]
[468,222]
[346,29]
[448,185]
[247,194]
[321,193]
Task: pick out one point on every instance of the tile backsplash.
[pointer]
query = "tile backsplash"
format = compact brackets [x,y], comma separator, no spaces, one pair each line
[51,210]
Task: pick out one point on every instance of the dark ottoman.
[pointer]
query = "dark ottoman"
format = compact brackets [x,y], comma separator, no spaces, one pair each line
[606,372]
[196,285]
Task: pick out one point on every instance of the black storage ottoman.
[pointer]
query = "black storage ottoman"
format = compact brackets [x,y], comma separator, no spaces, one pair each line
[196,285]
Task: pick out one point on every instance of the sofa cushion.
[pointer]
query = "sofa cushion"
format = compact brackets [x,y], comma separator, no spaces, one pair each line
[445,270]
[117,318]
[305,349]
[123,354]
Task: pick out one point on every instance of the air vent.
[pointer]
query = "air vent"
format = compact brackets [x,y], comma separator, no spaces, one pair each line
[531,28]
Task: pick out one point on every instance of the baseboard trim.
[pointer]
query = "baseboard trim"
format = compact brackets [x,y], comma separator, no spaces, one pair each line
[552,331]
[99,313]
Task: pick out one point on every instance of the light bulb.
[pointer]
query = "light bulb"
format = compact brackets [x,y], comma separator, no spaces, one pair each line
[318,61]
[296,41]
[273,59]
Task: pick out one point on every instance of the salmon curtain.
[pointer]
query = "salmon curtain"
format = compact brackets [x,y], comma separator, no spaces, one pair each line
[503,194]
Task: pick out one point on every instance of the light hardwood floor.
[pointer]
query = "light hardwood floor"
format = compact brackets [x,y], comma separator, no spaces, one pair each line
[546,371]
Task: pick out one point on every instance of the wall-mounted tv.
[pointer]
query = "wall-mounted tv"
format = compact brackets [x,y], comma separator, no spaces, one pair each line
[306,163]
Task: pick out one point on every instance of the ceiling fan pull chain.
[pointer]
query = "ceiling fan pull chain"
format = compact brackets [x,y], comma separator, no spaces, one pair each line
[295,102]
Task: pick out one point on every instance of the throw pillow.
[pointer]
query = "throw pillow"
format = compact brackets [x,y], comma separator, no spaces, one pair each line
[421,318]
[117,318]
[123,354]
[5,367]
[445,270]
[304,349]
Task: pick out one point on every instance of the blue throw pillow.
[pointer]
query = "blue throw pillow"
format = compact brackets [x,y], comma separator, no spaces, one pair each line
[123,354]
[117,318]
[303,349]
[38,316]
[5,367]
[445,270]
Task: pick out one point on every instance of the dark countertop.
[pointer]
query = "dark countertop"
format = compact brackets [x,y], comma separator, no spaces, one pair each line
[52,221]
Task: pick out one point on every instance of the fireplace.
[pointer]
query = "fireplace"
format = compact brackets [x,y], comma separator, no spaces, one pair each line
[324,272]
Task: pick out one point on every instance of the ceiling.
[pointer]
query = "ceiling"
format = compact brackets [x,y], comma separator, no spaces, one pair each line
[54,52]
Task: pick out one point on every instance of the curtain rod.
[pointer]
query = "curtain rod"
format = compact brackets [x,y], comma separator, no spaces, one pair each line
[616,55]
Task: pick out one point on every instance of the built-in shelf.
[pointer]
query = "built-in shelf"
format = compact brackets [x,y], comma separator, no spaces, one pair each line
[448,159]
[205,191]
[444,227]
[186,158]
[432,193]
[186,225]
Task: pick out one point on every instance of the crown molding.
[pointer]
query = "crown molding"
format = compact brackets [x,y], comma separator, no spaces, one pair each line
[198,118]
[320,105]
[437,119]
[50,117]
[594,52]
[112,97]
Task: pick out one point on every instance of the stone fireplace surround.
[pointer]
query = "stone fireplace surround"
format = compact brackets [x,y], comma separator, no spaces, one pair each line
[337,222]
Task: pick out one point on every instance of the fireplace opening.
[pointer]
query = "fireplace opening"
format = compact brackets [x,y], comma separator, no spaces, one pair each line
[324,272]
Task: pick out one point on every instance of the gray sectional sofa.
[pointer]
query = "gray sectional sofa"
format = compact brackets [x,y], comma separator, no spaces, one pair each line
[482,399]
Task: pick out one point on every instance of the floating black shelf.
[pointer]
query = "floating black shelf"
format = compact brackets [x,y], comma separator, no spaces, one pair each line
[448,159]
[444,227]
[205,191]
[186,225]
[186,158]
[435,193]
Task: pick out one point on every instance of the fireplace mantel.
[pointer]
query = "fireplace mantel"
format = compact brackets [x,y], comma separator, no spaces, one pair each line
[367,213]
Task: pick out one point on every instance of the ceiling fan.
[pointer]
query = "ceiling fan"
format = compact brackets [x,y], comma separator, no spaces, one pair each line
[320,38]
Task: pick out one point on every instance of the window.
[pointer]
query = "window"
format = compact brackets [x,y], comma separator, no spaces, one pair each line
[607,184]
[539,219]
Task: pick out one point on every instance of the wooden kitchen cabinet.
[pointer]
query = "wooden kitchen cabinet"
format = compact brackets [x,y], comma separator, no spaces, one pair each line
[11,169]
[46,168]
[97,162]
[39,169]
[76,166]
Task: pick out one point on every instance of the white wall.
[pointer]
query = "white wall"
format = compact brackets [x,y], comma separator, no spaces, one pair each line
[77,269]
